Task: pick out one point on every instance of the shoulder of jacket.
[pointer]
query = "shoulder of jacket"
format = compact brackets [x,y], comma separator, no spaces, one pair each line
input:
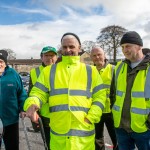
[119,63]
[90,66]
[34,69]
[9,69]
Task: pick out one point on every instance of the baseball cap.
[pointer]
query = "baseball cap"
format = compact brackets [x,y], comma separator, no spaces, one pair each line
[48,49]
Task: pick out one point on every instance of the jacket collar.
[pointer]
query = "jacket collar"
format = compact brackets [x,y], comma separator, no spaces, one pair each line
[71,59]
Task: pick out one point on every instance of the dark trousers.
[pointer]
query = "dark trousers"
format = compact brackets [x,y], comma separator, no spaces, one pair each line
[46,127]
[11,137]
[99,129]
[127,141]
[47,136]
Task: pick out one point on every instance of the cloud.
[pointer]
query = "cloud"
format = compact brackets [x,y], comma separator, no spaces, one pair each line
[27,39]
[28,11]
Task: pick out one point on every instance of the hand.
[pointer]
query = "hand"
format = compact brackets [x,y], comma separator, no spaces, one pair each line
[22,114]
[32,113]
[87,120]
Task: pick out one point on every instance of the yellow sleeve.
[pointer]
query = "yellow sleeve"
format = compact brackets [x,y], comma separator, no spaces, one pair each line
[40,92]
[98,98]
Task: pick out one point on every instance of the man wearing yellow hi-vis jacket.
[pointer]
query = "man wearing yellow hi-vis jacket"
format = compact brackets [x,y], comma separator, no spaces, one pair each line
[130,92]
[106,71]
[76,98]
[48,57]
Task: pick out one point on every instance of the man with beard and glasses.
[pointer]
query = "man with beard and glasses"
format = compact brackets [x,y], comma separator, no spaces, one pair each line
[75,95]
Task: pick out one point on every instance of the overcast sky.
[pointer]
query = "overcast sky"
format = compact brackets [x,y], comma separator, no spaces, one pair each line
[26,26]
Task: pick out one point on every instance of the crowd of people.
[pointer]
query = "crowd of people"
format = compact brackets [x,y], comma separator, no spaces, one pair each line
[75,100]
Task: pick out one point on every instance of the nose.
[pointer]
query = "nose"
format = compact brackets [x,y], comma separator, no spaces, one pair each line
[67,49]
[125,49]
[97,56]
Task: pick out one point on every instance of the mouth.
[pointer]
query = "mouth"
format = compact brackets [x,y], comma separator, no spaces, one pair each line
[69,54]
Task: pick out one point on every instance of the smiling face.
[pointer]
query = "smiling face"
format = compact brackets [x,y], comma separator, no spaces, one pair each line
[2,66]
[70,46]
[132,52]
[98,57]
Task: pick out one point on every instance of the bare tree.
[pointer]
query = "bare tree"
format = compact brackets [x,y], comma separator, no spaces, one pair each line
[87,46]
[11,53]
[109,39]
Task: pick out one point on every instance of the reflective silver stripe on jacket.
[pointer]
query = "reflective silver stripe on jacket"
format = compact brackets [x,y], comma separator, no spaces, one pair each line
[71,92]
[107,86]
[89,78]
[74,132]
[41,87]
[140,111]
[52,77]
[119,93]
[37,70]
[115,107]
[117,73]
[80,92]
[59,91]
[65,107]
[138,94]
[98,104]
[97,88]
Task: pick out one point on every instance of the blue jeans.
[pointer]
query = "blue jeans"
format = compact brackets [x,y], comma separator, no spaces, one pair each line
[127,141]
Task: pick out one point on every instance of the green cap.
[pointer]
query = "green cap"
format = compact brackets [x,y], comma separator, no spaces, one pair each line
[48,49]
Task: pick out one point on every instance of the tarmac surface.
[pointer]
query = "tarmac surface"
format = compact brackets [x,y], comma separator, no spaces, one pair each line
[33,140]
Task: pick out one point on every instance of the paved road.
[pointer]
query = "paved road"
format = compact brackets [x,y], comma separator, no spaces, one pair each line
[35,139]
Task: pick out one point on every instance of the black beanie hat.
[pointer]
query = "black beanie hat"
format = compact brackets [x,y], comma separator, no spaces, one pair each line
[131,37]
[69,33]
[3,55]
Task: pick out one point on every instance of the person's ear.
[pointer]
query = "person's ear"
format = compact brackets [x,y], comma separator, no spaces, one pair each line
[79,48]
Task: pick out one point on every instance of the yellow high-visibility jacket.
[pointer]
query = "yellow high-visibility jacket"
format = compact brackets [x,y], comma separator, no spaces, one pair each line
[140,96]
[74,91]
[107,74]
[34,74]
